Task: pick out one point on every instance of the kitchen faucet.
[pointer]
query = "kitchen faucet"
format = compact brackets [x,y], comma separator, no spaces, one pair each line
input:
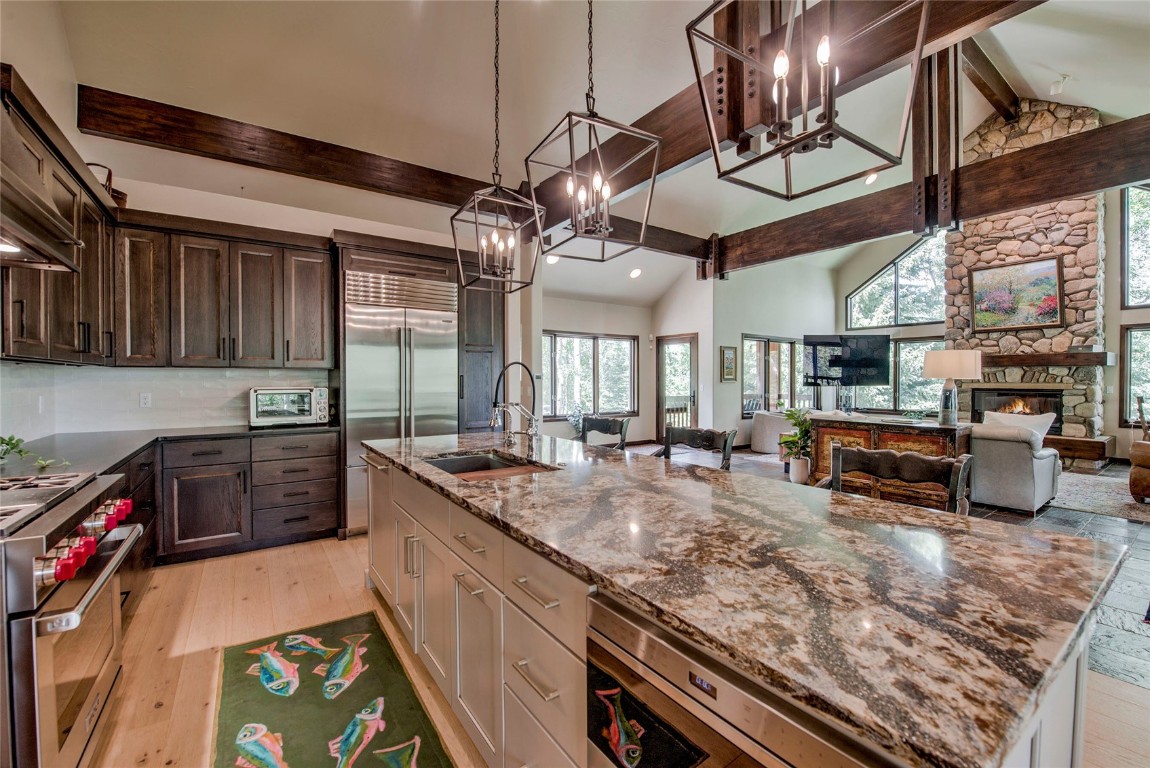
[509,408]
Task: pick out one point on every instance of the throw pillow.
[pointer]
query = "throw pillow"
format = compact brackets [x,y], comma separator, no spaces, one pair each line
[1040,423]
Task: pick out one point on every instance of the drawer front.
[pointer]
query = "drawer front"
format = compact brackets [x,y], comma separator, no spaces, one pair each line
[548,594]
[293,470]
[425,505]
[141,467]
[295,446]
[479,545]
[547,678]
[528,743]
[301,518]
[201,453]
[850,438]
[308,492]
[924,444]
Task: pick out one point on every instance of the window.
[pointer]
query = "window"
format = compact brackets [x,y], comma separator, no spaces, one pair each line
[1136,246]
[909,291]
[773,374]
[1135,370]
[597,374]
[910,391]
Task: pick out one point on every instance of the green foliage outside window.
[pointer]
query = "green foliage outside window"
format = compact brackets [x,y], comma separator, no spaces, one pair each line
[1137,369]
[1137,246]
[910,291]
[588,374]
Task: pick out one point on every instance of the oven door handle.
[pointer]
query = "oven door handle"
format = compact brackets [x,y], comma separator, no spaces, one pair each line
[65,621]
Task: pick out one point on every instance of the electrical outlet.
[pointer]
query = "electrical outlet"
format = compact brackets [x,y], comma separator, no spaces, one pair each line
[1110,389]
[145,399]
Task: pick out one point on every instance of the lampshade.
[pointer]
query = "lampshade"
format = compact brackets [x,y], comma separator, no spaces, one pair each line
[952,364]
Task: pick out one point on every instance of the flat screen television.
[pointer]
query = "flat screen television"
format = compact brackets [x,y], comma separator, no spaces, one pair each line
[846,361]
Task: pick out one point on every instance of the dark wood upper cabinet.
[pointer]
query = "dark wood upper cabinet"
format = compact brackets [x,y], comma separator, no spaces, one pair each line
[26,313]
[309,340]
[64,330]
[94,284]
[480,356]
[256,299]
[199,301]
[142,313]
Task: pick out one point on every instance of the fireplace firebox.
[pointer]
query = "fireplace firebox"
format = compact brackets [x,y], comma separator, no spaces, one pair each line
[1033,401]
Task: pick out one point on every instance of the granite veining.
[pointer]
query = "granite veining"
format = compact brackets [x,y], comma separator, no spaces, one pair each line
[930,635]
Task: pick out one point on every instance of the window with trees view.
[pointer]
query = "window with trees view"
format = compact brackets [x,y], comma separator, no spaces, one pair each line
[1135,369]
[909,291]
[597,374]
[773,375]
[1136,246]
[909,391]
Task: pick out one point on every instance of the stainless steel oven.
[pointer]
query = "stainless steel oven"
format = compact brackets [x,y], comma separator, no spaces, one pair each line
[62,623]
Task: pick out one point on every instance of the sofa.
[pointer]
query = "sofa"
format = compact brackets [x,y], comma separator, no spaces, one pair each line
[1011,468]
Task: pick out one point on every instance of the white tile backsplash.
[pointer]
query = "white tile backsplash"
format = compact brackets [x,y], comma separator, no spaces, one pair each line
[80,399]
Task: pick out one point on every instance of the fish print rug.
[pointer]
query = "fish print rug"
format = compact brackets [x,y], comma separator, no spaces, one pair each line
[331,695]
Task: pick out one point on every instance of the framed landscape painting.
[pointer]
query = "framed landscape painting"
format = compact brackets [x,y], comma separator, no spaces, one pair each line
[728,363]
[1027,294]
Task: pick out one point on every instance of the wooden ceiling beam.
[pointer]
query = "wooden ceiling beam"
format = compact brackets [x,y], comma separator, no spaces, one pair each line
[1109,157]
[680,122]
[985,77]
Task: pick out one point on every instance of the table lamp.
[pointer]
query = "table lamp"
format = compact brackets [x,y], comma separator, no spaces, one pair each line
[951,364]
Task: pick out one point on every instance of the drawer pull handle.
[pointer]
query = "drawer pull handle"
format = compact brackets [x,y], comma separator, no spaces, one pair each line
[292,447]
[294,471]
[473,592]
[297,493]
[300,519]
[474,550]
[206,453]
[521,668]
[546,605]
[407,554]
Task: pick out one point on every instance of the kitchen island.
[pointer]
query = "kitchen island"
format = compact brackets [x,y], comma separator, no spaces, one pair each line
[931,637]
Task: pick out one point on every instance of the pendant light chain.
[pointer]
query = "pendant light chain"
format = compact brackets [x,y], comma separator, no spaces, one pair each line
[590,57]
[496,175]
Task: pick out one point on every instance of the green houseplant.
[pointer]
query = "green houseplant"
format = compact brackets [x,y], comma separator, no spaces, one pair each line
[797,444]
[12,445]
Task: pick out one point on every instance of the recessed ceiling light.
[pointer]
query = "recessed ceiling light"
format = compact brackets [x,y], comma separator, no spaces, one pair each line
[636,272]
[7,247]
[552,259]
[871,179]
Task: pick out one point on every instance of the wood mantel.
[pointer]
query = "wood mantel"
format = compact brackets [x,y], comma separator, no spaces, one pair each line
[1069,359]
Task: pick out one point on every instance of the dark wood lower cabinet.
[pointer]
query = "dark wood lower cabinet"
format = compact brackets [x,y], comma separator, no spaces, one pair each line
[206,507]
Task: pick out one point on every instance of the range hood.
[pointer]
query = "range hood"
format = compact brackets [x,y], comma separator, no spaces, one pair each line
[28,223]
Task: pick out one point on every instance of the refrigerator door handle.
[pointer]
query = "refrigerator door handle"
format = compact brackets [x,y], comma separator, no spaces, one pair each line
[402,384]
[411,378]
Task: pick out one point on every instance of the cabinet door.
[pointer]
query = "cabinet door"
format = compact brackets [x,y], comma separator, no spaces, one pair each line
[95,294]
[480,357]
[199,302]
[141,268]
[382,547]
[26,312]
[64,330]
[206,507]
[478,699]
[308,336]
[436,633]
[256,303]
[407,578]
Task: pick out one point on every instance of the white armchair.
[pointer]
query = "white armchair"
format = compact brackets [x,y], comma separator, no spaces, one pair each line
[1011,468]
[765,430]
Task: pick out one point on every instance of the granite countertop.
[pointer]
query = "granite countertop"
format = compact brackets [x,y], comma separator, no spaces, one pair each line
[930,635]
[99,452]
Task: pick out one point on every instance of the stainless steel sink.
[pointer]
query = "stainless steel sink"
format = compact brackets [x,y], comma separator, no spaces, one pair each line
[458,465]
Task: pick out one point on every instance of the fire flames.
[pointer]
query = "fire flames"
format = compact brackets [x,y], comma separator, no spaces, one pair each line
[1017,405]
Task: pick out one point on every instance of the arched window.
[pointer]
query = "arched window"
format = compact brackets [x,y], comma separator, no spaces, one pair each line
[908,291]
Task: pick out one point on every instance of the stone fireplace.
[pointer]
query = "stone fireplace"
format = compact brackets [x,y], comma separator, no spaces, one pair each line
[1026,401]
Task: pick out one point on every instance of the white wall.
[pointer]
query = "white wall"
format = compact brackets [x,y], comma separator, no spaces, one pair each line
[595,317]
[689,307]
[789,299]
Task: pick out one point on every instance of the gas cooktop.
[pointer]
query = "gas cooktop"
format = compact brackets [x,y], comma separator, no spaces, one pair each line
[61,480]
[22,499]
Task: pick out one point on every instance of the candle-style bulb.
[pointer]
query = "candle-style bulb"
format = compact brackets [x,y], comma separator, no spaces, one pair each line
[499,246]
[582,195]
[510,241]
[483,242]
[495,237]
[597,182]
[823,52]
[782,65]
[606,191]
[570,186]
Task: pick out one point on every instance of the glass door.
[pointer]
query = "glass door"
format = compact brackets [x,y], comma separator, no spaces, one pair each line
[677,382]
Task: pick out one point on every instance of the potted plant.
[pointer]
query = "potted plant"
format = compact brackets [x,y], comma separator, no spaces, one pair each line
[797,444]
[12,445]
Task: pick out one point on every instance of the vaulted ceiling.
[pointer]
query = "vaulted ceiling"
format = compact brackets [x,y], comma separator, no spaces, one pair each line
[413,81]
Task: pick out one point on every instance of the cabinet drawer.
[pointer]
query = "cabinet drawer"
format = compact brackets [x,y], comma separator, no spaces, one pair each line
[140,467]
[927,445]
[479,544]
[548,594]
[293,470]
[425,505]
[528,743]
[547,678]
[295,446]
[200,453]
[301,518]
[293,493]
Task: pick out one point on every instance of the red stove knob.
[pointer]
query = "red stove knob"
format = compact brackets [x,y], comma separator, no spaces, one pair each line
[64,568]
[111,521]
[123,508]
[87,545]
[55,570]
[78,554]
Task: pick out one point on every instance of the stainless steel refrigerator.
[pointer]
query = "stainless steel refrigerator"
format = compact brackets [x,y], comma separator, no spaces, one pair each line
[401,361]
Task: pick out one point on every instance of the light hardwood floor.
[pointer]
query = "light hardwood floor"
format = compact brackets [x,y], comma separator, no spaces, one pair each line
[165,706]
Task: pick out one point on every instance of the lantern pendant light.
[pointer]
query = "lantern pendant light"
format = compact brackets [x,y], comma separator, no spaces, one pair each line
[587,161]
[497,225]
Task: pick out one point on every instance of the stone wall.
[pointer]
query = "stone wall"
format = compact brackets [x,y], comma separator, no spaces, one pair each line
[1068,229]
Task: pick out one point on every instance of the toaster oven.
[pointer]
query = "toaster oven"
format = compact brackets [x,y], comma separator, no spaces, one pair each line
[288,405]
